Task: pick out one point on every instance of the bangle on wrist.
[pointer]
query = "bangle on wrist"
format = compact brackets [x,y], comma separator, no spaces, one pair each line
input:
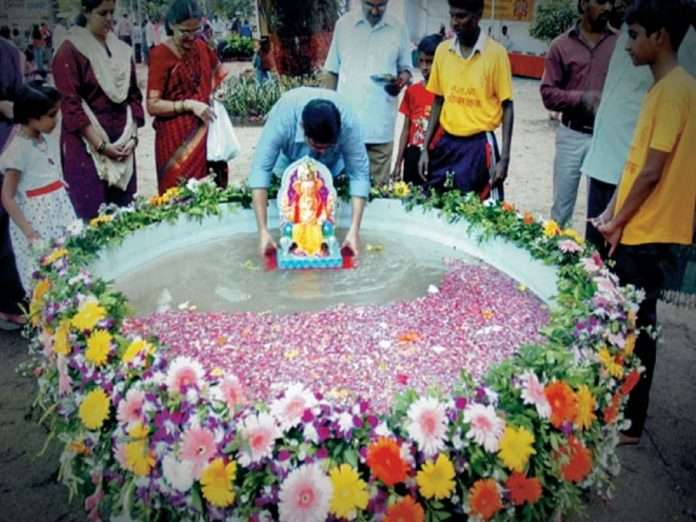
[102,147]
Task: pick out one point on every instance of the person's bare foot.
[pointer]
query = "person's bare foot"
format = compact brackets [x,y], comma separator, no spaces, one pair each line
[10,322]
[628,440]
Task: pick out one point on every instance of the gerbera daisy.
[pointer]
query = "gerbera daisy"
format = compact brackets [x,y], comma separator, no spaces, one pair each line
[562,400]
[217,481]
[98,347]
[233,392]
[610,363]
[569,246]
[436,479]
[136,347]
[61,339]
[305,495]
[139,458]
[484,498]
[288,410]
[386,463]
[551,228]
[94,409]
[586,404]
[88,315]
[130,409]
[184,373]
[523,489]
[427,425]
[349,492]
[259,433]
[198,447]
[485,426]
[579,461]
[405,510]
[516,447]
[178,473]
[533,393]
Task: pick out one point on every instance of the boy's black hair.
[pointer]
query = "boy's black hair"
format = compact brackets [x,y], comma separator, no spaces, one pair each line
[321,121]
[5,32]
[653,15]
[33,100]
[429,44]
[473,6]
[180,11]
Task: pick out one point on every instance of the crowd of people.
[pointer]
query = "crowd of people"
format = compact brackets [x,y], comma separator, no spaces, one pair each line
[621,81]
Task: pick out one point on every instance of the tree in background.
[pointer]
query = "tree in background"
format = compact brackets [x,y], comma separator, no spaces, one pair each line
[553,18]
[300,32]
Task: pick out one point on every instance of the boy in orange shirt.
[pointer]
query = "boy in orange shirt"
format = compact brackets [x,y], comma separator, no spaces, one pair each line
[653,207]
[415,107]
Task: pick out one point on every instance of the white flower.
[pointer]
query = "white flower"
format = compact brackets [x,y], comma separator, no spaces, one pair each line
[310,434]
[288,410]
[345,422]
[427,425]
[259,433]
[305,495]
[485,428]
[533,393]
[432,289]
[179,474]
[183,373]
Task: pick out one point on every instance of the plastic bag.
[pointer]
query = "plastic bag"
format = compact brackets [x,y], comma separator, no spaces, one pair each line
[222,144]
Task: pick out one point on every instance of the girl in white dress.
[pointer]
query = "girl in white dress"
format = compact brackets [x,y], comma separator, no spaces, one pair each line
[33,191]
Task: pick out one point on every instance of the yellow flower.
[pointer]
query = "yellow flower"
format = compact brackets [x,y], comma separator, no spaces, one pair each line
[94,409]
[349,492]
[516,448]
[98,347]
[100,220]
[54,256]
[78,447]
[89,314]
[61,340]
[139,458]
[216,480]
[138,431]
[608,361]
[551,228]
[165,198]
[573,234]
[630,344]
[40,291]
[135,348]
[585,408]
[401,189]
[436,479]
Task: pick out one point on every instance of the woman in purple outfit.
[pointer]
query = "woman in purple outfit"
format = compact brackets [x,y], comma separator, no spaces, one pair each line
[102,108]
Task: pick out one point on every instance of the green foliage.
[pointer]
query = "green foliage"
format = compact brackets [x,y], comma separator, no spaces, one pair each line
[240,46]
[553,17]
[246,99]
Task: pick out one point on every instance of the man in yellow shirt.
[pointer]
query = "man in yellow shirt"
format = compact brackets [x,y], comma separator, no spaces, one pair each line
[653,207]
[472,82]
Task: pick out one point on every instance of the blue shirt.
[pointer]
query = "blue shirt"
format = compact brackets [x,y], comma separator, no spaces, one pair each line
[359,51]
[624,89]
[283,135]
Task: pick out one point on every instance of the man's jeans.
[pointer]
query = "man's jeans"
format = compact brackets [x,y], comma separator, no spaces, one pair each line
[571,149]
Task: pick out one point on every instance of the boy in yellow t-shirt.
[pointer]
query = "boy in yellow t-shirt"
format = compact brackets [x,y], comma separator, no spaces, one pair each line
[472,82]
[653,207]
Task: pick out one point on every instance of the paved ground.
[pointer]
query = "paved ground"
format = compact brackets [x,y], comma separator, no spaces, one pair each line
[658,482]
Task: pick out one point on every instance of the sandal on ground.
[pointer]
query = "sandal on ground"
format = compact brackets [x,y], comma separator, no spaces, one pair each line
[628,440]
[11,322]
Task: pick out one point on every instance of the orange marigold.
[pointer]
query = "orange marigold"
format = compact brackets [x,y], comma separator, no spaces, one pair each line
[405,510]
[523,489]
[528,218]
[579,462]
[484,498]
[611,411]
[562,401]
[507,206]
[630,382]
[384,459]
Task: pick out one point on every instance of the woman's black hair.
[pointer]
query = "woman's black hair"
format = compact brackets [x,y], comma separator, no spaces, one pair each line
[321,121]
[33,100]
[87,7]
[180,11]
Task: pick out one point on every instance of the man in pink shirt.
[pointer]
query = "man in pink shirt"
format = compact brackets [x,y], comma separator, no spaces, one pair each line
[574,72]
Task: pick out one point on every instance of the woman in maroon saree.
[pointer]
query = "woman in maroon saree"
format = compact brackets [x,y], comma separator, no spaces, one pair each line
[182,77]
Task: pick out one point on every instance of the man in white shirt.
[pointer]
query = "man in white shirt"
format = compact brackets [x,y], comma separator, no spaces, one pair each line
[125,30]
[368,46]
[153,33]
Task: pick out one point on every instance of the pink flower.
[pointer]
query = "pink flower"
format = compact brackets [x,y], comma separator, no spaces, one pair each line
[184,373]
[198,447]
[485,428]
[533,393]
[569,246]
[130,409]
[233,392]
[305,495]
[289,409]
[120,454]
[427,425]
[64,382]
[592,264]
[259,433]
